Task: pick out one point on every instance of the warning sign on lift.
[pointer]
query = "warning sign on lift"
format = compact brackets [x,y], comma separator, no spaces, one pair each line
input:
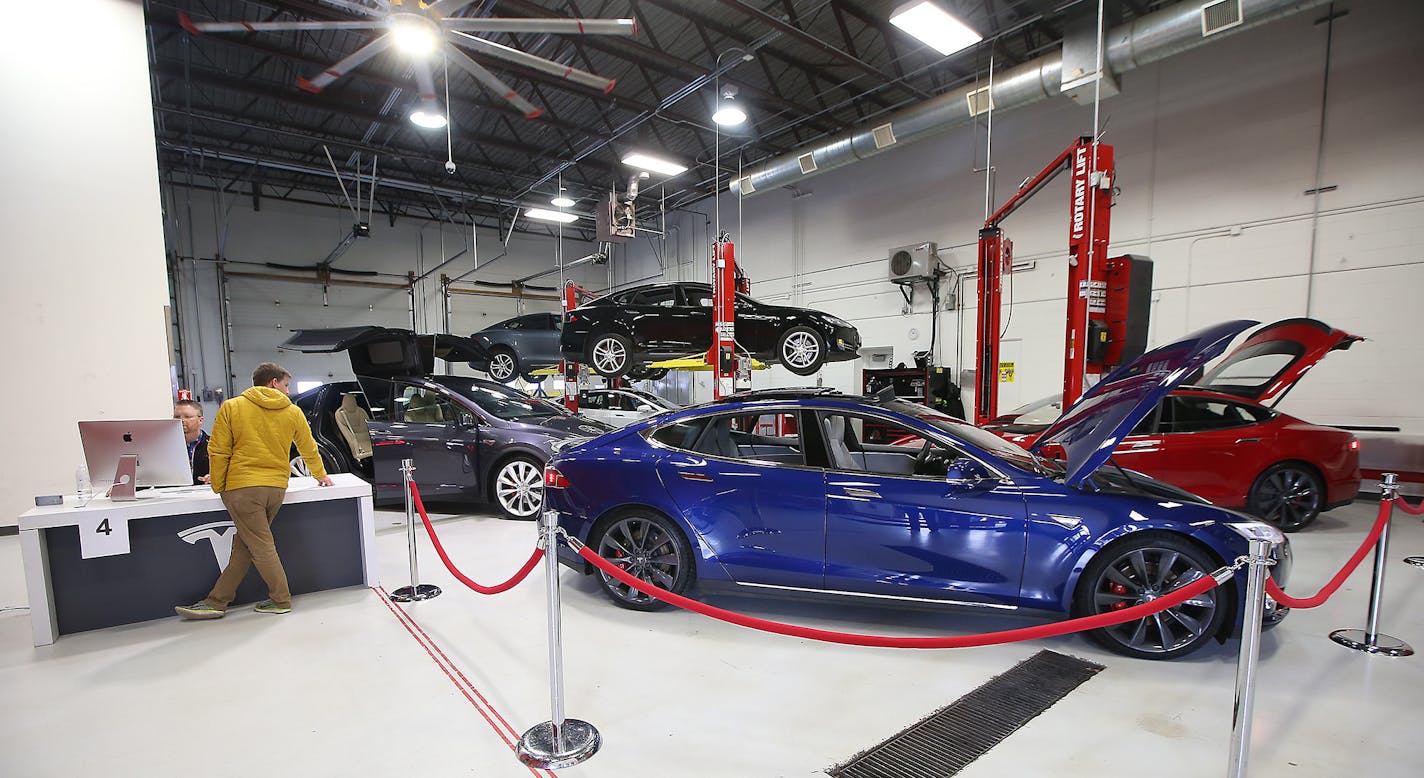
[1096,293]
[1006,372]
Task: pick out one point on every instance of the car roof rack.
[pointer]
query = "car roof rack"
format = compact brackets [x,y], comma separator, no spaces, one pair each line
[789,393]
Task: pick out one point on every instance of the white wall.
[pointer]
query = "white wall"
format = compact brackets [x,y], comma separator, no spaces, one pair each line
[85,290]
[1215,148]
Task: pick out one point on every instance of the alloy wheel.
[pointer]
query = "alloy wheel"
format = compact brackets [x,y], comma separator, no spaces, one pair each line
[1288,497]
[646,551]
[501,367]
[800,350]
[519,488]
[609,356]
[1142,575]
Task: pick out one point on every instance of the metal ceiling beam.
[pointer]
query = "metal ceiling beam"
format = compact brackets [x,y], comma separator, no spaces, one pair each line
[796,33]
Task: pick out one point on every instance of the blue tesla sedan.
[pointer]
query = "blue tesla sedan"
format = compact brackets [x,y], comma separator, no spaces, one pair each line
[783,492]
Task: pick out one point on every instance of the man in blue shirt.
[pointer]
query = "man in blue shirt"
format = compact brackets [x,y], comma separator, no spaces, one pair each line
[190,412]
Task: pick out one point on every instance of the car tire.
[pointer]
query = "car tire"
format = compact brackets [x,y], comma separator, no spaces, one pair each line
[801,350]
[503,364]
[518,487]
[1131,571]
[610,355]
[1287,494]
[299,466]
[651,547]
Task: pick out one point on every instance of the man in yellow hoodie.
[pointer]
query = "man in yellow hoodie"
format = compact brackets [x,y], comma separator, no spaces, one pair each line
[248,454]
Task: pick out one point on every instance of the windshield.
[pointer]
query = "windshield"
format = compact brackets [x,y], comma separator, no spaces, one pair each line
[981,439]
[501,401]
[1044,411]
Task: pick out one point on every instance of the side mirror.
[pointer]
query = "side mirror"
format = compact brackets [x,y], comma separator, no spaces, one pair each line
[645,408]
[466,420]
[966,472]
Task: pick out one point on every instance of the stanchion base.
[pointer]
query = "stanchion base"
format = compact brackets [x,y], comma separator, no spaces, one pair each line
[416,592]
[1384,644]
[1417,561]
[578,740]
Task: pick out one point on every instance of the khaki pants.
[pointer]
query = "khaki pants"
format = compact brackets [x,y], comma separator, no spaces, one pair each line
[252,509]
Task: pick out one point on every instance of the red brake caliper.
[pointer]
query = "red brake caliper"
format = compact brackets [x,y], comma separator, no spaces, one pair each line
[1117,588]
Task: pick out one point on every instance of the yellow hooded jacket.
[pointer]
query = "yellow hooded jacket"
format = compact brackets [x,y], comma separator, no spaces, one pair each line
[252,439]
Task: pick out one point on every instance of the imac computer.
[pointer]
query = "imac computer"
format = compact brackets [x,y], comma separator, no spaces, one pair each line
[146,452]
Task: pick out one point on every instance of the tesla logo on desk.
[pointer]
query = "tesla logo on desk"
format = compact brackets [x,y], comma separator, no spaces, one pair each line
[218,533]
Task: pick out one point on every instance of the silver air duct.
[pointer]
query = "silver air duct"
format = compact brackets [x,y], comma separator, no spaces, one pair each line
[1150,38]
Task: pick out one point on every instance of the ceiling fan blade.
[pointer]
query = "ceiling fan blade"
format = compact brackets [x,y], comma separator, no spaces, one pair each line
[530,61]
[326,77]
[627,27]
[358,8]
[425,79]
[492,82]
[202,27]
[444,8]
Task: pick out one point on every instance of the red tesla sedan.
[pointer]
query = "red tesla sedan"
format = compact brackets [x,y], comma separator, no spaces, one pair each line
[1218,438]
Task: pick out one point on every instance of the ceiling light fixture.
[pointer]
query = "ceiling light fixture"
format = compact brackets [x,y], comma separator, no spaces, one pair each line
[562,200]
[414,34]
[544,214]
[729,113]
[934,27]
[428,115]
[641,161]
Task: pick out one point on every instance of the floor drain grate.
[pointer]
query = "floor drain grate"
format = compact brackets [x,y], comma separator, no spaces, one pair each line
[947,740]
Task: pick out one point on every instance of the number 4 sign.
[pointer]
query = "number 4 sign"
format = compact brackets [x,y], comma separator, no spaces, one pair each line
[101,535]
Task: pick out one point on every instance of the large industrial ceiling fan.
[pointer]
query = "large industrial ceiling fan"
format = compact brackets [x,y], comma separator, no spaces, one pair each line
[422,29]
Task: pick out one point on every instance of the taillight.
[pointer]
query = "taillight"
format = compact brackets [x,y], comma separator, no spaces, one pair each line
[553,479]
[1354,444]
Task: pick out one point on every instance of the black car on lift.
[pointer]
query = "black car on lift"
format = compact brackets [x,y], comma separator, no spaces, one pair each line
[618,334]
[470,439]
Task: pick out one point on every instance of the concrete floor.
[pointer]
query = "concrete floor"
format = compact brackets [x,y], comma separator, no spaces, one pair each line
[343,686]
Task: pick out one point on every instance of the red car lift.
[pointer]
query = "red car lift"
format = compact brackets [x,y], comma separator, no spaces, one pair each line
[722,356]
[1086,330]
[572,384]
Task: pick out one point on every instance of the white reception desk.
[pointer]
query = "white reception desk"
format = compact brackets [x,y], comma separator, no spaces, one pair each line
[110,563]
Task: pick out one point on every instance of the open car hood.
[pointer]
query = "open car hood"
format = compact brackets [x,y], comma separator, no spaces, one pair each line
[382,352]
[1091,428]
[1272,360]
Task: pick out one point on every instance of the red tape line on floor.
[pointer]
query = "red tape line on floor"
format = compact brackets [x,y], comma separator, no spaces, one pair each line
[955,641]
[503,728]
[459,576]
[1354,561]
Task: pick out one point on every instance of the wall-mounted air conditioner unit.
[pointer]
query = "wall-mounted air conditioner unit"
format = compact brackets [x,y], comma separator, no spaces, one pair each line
[909,264]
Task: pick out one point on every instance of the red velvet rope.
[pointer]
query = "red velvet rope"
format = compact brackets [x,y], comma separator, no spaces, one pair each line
[439,549]
[1339,579]
[1407,508]
[957,641]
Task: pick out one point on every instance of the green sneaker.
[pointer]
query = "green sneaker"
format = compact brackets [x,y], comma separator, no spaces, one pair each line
[199,610]
[267,606]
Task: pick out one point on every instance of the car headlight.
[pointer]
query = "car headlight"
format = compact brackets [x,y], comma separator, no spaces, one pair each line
[837,321]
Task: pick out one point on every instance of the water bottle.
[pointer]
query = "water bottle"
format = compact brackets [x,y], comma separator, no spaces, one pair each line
[85,488]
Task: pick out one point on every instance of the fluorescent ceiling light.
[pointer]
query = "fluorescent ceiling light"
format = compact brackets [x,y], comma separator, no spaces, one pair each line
[562,201]
[653,164]
[414,35]
[428,116]
[934,27]
[544,214]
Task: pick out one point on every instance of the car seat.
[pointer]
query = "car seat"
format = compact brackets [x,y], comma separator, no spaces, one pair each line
[841,457]
[422,408]
[351,419]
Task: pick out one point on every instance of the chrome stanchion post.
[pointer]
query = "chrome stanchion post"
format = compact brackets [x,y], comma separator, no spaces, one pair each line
[559,742]
[1370,639]
[416,591]
[1259,559]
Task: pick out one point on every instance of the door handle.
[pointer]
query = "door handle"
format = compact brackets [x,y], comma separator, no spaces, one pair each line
[1248,440]
[857,492]
[694,476]
[1142,444]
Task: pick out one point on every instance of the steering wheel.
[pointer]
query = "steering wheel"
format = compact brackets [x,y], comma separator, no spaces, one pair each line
[922,459]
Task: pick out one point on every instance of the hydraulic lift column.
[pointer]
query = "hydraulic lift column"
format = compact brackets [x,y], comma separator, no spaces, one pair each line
[723,354]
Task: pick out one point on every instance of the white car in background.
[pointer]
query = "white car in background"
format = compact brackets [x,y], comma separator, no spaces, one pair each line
[620,407]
